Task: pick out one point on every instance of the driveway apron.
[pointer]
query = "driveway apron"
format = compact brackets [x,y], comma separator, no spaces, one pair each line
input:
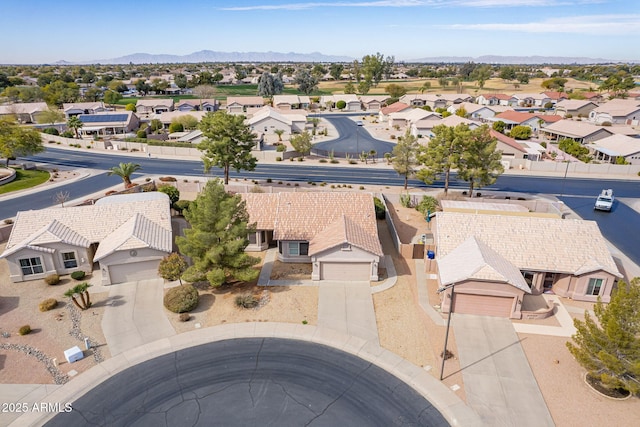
[498,380]
[348,308]
[136,315]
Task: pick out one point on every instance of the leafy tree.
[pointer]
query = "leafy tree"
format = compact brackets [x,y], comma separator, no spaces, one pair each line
[574,148]
[18,141]
[172,267]
[228,143]
[217,237]
[124,171]
[306,82]
[375,67]
[461,112]
[59,92]
[428,204]
[363,87]
[204,92]
[467,69]
[187,121]
[443,82]
[130,107]
[609,347]
[155,125]
[80,291]
[479,163]
[349,88]
[499,126]
[395,90]
[180,80]
[269,85]
[481,74]
[405,156]
[74,123]
[301,143]
[112,97]
[318,70]
[554,83]
[143,87]
[175,126]
[508,73]
[51,115]
[523,78]
[341,105]
[335,70]
[117,86]
[520,132]
[441,154]
[425,87]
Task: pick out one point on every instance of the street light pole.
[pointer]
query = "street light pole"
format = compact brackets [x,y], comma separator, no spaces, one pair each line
[564,180]
[446,334]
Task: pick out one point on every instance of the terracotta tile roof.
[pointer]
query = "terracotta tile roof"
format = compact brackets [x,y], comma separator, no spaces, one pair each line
[83,225]
[344,231]
[506,140]
[394,108]
[304,215]
[501,96]
[556,95]
[569,246]
[475,260]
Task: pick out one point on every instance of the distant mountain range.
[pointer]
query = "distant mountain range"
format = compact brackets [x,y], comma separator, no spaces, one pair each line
[213,56]
[523,60]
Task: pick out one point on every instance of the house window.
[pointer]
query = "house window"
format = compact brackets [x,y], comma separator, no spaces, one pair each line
[298,248]
[31,266]
[252,239]
[69,260]
[594,286]
[528,277]
[346,247]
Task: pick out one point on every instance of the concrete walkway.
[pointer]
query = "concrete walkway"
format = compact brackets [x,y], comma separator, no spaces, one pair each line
[348,308]
[135,316]
[566,328]
[498,380]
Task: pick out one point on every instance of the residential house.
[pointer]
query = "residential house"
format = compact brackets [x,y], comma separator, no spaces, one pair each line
[495,261]
[244,104]
[532,120]
[127,235]
[268,119]
[582,132]
[291,102]
[595,97]
[78,108]
[154,106]
[434,101]
[424,127]
[169,116]
[502,99]
[532,99]
[352,102]
[556,96]
[396,107]
[406,118]
[513,149]
[108,123]
[198,105]
[574,108]
[617,111]
[610,148]
[24,112]
[335,232]
[474,111]
[373,103]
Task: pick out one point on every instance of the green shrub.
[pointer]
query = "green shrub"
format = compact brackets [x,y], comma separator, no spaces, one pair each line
[52,279]
[280,148]
[247,301]
[606,123]
[141,134]
[405,200]
[362,187]
[379,208]
[181,299]
[167,179]
[334,161]
[51,131]
[181,205]
[78,275]
[278,159]
[341,105]
[24,330]
[48,304]
[428,204]
[171,191]
[176,127]
[520,132]
[322,161]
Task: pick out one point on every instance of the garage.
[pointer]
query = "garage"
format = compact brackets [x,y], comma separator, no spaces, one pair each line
[345,271]
[487,305]
[132,272]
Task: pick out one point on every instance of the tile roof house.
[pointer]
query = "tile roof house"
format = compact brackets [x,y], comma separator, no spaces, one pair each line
[108,123]
[244,104]
[127,235]
[267,119]
[580,131]
[291,102]
[154,106]
[481,254]
[351,100]
[532,99]
[78,108]
[474,111]
[497,99]
[518,118]
[610,148]
[617,111]
[198,105]
[24,112]
[574,107]
[373,103]
[383,114]
[336,232]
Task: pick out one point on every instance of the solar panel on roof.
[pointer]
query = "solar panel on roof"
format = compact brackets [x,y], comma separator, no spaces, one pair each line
[102,118]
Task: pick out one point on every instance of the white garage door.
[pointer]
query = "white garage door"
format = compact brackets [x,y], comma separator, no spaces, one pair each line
[482,304]
[347,271]
[134,271]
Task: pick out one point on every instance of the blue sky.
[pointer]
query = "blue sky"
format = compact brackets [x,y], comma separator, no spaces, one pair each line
[41,31]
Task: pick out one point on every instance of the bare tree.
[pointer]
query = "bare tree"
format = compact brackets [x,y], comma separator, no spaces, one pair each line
[61,197]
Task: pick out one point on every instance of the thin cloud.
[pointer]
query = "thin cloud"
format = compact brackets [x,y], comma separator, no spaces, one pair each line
[411,3]
[588,24]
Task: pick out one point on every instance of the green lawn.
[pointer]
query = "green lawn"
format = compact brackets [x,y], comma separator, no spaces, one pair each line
[25,179]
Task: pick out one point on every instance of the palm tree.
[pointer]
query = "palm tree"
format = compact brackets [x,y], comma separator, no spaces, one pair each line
[81,291]
[279,132]
[425,87]
[124,171]
[75,123]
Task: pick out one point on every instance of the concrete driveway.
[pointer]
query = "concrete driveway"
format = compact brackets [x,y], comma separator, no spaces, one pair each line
[136,315]
[498,380]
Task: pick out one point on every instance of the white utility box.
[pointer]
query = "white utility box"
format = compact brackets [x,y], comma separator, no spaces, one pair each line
[73,354]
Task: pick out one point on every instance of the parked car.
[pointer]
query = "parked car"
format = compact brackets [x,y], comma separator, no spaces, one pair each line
[359,123]
[604,202]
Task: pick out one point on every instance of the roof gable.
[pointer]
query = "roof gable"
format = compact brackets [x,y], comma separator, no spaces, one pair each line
[344,231]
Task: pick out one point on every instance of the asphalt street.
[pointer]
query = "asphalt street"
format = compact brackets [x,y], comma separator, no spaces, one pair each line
[353,139]
[252,382]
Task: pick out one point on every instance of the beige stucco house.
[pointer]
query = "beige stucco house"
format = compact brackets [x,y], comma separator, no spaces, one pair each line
[24,112]
[336,232]
[481,253]
[244,104]
[154,106]
[127,235]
